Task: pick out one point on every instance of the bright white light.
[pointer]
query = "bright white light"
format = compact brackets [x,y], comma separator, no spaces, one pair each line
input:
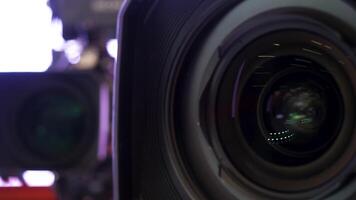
[58,41]
[39,178]
[73,49]
[11,182]
[111,47]
[25,36]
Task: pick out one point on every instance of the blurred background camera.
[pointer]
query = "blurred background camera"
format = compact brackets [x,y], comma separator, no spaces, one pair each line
[52,120]
[56,85]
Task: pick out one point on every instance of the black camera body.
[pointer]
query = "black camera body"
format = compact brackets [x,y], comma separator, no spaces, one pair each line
[235,99]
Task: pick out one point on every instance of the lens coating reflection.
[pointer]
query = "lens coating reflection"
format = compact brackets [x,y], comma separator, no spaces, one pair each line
[296,112]
[299,110]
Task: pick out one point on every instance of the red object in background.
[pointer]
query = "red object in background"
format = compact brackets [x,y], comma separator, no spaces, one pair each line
[27,193]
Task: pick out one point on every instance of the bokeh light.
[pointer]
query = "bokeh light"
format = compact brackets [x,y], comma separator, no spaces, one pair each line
[26,36]
[39,178]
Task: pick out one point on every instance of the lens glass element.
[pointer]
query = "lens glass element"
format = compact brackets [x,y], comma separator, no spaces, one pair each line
[296,112]
[290,109]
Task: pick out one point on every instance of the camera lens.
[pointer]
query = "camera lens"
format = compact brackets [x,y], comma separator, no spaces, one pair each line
[53,125]
[296,113]
[286,100]
[281,109]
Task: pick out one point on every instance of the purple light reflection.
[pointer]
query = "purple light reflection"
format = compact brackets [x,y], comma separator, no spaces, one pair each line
[11,182]
[104,125]
[236,86]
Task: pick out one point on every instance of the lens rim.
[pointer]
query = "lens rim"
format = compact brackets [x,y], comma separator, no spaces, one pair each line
[220,60]
[205,166]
